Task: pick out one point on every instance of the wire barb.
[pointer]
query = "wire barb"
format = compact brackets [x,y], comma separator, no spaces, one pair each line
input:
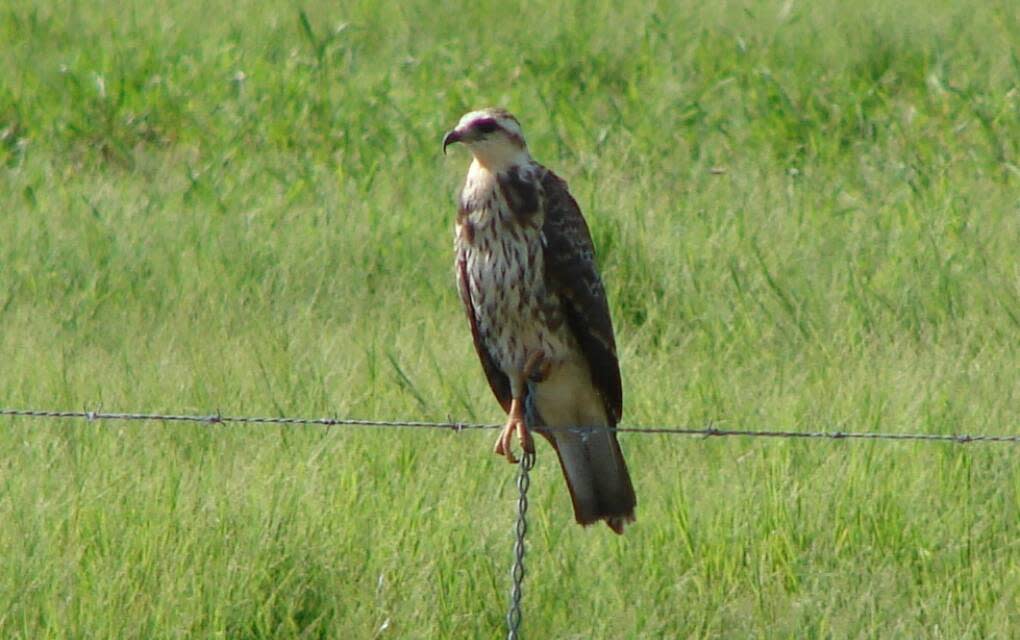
[514,615]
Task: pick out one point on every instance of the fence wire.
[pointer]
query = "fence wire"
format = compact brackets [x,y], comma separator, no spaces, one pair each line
[706,432]
[515,615]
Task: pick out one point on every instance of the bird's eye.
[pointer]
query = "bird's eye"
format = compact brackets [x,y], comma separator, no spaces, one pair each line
[487,126]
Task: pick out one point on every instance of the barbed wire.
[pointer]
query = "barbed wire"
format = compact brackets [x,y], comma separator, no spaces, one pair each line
[707,432]
[514,616]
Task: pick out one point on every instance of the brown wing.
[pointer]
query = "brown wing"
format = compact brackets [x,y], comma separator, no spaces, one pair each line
[498,381]
[570,271]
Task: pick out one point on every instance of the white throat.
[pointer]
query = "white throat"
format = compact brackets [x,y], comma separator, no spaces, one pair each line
[498,156]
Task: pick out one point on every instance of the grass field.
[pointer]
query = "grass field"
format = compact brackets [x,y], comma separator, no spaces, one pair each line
[243,207]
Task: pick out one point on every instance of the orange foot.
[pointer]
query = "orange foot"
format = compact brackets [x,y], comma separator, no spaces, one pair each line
[536,369]
[515,422]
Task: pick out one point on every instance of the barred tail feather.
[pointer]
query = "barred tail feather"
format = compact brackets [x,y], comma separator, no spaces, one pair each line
[597,477]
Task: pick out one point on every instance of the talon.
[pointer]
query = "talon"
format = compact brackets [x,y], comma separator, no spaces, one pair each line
[524,435]
[536,368]
[541,372]
[503,445]
[515,422]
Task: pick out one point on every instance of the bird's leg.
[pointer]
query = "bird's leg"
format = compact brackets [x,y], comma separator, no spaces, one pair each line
[516,420]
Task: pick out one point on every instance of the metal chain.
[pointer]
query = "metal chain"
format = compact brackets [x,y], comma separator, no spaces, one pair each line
[514,615]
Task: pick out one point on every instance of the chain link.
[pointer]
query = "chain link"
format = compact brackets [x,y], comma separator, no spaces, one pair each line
[514,615]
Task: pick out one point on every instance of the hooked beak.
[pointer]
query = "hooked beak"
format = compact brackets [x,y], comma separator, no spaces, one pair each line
[450,138]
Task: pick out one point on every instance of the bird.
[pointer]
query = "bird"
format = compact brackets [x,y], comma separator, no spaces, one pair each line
[539,318]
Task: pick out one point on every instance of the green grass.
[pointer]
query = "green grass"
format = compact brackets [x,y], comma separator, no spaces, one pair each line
[244,208]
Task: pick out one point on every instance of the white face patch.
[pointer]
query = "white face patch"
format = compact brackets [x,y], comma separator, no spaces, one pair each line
[495,139]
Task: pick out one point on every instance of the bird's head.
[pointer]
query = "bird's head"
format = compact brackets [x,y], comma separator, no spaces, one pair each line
[492,135]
